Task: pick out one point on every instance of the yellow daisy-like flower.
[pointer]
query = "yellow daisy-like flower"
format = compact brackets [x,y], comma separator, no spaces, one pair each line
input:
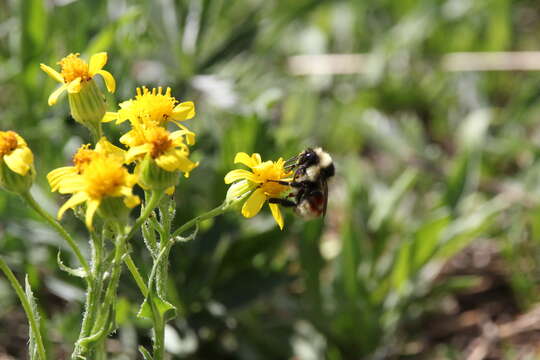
[153,106]
[14,152]
[261,178]
[75,72]
[167,149]
[81,159]
[103,177]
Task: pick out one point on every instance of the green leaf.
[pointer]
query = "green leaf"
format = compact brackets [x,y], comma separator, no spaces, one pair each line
[426,240]
[79,272]
[34,28]
[154,303]
[384,208]
[401,269]
[32,347]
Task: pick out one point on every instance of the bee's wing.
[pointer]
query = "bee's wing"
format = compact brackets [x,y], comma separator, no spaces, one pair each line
[324,186]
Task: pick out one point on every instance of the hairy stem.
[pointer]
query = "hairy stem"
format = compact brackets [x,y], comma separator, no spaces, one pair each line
[59,229]
[27,308]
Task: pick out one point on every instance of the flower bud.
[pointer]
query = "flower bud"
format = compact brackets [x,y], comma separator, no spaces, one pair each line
[88,106]
[151,176]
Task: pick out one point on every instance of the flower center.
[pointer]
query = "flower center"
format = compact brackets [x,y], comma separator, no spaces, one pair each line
[159,139]
[73,67]
[269,170]
[83,157]
[104,177]
[154,105]
[8,142]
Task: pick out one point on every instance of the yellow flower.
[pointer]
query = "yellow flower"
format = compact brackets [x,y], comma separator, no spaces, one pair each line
[15,153]
[81,159]
[154,107]
[75,72]
[168,150]
[16,163]
[104,177]
[261,178]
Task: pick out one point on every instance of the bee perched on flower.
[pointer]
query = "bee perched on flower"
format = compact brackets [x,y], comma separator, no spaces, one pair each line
[85,100]
[261,182]
[99,179]
[16,163]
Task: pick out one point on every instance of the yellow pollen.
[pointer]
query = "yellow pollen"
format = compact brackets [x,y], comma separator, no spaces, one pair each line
[104,177]
[159,139]
[73,67]
[83,157]
[8,142]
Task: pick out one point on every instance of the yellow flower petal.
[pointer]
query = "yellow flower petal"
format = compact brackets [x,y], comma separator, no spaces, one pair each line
[74,86]
[175,160]
[97,62]
[132,201]
[245,159]
[170,190]
[109,116]
[19,160]
[105,147]
[75,200]
[91,207]
[184,111]
[56,176]
[130,138]
[189,135]
[136,151]
[256,158]
[254,203]
[71,184]
[276,213]
[110,83]
[238,174]
[52,73]
[56,93]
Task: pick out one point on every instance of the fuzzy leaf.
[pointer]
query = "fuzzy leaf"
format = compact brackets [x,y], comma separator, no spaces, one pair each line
[166,310]
[32,347]
[79,272]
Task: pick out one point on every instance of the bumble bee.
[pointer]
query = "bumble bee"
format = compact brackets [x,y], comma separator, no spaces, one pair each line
[309,186]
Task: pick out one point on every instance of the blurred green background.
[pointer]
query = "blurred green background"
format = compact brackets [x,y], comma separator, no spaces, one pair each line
[431,245]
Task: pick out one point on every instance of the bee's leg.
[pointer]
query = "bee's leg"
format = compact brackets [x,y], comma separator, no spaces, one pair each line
[287,183]
[283,202]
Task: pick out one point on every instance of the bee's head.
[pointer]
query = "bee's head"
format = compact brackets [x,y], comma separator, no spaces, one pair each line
[307,158]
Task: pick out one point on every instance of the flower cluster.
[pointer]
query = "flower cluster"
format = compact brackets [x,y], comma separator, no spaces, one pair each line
[100,176]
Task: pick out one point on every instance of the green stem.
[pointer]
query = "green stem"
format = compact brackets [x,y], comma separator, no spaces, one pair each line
[208,215]
[146,212]
[27,308]
[159,322]
[153,201]
[159,337]
[136,275]
[92,295]
[56,225]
